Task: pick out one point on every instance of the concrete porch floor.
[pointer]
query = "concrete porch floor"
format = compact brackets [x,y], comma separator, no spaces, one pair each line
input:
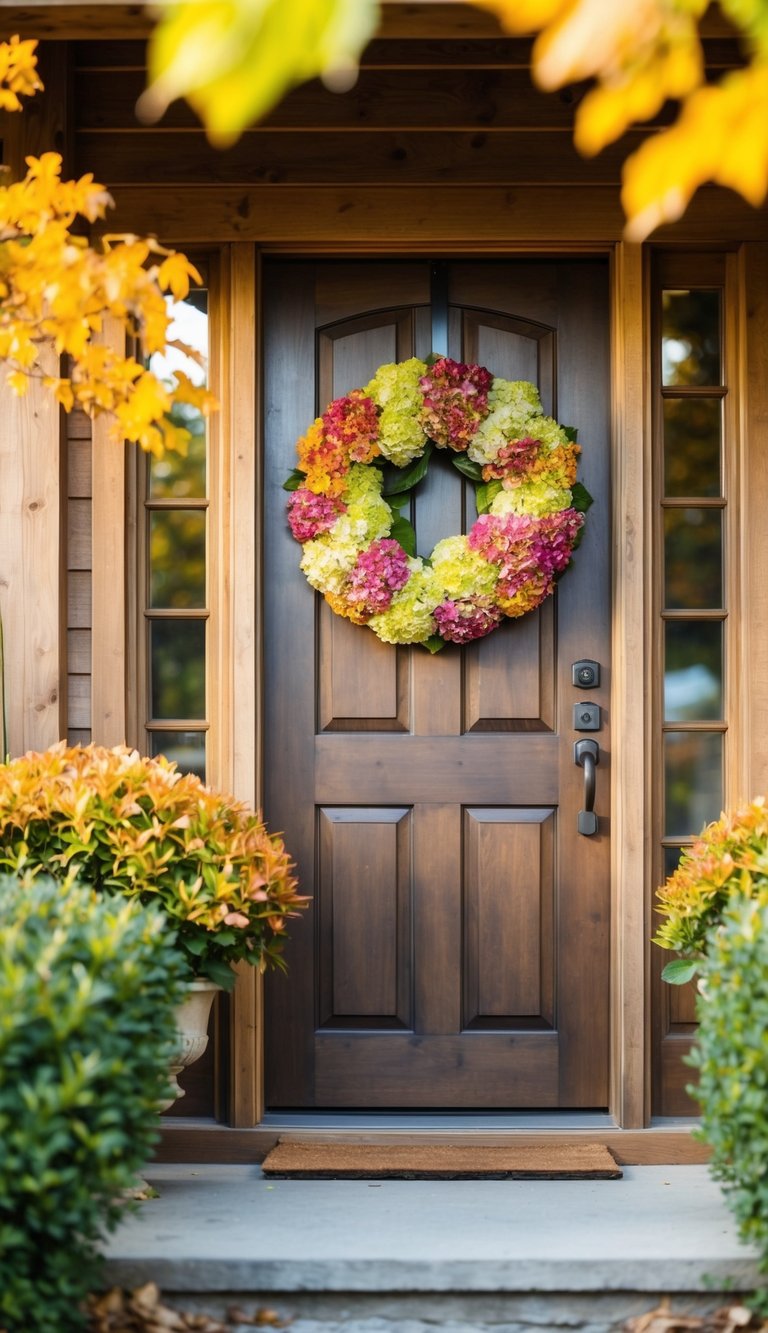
[411,1256]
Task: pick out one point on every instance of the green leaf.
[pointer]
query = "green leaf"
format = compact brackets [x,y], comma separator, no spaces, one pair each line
[404,479]
[580,497]
[234,61]
[295,480]
[403,532]
[397,502]
[680,971]
[571,433]
[434,643]
[485,495]
[220,973]
[467,467]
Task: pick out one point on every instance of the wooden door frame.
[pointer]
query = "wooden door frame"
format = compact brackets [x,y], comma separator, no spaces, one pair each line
[236,692]
[630,462]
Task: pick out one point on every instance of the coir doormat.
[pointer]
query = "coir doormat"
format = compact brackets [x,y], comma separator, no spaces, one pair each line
[368,1161]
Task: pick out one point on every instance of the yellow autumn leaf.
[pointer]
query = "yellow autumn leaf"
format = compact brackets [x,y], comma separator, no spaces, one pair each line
[174,275]
[18,382]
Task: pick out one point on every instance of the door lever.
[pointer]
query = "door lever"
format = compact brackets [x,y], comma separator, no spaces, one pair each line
[586,753]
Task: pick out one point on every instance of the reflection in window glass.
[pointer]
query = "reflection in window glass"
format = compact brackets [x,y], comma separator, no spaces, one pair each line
[693,781]
[174,474]
[177,669]
[693,565]
[692,446]
[177,558]
[672,859]
[693,671]
[184,748]
[690,341]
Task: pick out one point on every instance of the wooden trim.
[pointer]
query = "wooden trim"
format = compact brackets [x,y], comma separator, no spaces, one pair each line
[629,693]
[189,1142]
[736,538]
[300,218]
[108,708]
[425,18]
[235,584]
[753,341]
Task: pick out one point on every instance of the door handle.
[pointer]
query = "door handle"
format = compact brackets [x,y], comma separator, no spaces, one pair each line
[586,754]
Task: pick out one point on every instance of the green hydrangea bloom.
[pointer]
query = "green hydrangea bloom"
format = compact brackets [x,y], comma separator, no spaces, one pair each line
[461,571]
[395,390]
[409,618]
[535,498]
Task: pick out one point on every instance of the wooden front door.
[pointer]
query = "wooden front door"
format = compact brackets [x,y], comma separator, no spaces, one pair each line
[456,951]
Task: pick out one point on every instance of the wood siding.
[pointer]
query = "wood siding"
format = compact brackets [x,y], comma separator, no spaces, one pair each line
[79,560]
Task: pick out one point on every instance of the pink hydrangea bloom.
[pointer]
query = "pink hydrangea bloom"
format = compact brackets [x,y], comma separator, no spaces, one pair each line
[466,618]
[310,514]
[380,571]
[513,460]
[455,402]
[553,542]
[351,424]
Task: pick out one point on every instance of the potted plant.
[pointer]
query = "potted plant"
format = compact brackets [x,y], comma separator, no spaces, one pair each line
[730,859]
[136,826]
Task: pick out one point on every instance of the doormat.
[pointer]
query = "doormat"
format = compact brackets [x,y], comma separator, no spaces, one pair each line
[385,1161]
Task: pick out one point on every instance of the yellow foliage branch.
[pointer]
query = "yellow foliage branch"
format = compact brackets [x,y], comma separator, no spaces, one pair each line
[642,53]
[56,288]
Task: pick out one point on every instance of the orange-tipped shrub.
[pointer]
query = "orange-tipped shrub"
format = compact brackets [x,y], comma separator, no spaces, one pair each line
[136,826]
[730,858]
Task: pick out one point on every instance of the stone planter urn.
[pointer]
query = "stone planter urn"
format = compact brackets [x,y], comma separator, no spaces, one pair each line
[192,1018]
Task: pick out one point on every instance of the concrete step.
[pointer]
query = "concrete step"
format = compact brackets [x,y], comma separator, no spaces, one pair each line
[410,1256]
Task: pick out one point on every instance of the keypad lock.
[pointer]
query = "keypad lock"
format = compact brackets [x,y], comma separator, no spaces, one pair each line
[585,674]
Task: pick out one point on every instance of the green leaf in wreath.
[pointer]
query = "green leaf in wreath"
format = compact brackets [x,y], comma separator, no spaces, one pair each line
[406,478]
[580,498]
[434,643]
[402,531]
[485,495]
[397,502]
[680,971]
[467,467]
[295,480]
[571,433]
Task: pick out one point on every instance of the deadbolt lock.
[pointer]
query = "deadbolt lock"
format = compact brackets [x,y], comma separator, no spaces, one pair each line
[586,674]
[586,717]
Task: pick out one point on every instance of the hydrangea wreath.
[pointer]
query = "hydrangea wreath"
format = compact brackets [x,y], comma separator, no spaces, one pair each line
[359,463]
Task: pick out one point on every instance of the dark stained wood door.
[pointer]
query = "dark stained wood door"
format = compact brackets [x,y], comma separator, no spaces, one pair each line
[456,951]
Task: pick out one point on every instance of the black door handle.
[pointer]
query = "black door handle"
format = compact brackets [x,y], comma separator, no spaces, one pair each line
[586,754]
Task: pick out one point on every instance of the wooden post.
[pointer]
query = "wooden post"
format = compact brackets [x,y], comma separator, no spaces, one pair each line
[629,823]
[30,461]
[108,576]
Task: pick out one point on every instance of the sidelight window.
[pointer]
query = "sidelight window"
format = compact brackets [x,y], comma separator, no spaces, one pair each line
[174,515]
[693,470]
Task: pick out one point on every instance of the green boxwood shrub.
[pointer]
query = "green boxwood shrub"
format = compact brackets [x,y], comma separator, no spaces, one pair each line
[731,1056]
[88,985]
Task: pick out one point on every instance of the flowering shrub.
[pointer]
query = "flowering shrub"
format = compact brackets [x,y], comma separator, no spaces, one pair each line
[731,1055]
[135,826]
[88,990]
[358,463]
[730,857]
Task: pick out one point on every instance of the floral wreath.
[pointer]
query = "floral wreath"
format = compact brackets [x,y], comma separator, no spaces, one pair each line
[359,463]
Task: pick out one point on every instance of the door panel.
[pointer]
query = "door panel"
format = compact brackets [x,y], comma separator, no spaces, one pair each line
[456,952]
